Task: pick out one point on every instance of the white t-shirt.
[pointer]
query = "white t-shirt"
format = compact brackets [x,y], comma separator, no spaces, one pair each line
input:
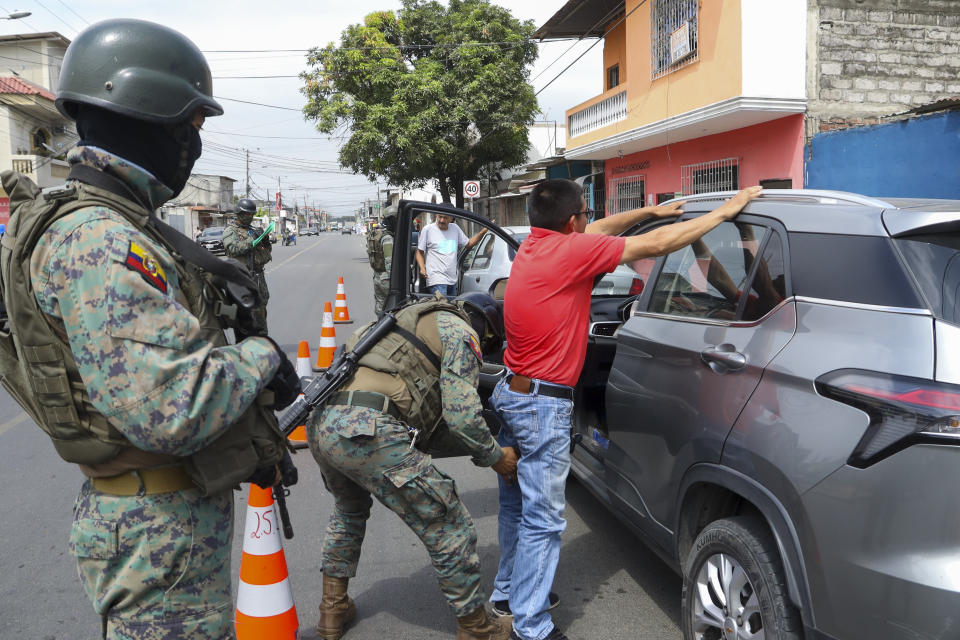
[441,248]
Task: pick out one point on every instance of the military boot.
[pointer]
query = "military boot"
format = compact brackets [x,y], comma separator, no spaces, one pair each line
[336,608]
[477,625]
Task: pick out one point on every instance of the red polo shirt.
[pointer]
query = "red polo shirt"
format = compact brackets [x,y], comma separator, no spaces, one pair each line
[547,304]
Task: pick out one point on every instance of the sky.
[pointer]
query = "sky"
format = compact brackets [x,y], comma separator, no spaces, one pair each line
[272,39]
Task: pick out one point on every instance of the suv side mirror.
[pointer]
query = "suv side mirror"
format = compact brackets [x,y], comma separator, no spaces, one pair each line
[498,289]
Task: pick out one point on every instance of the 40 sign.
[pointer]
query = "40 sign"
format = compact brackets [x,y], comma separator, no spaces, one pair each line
[471,188]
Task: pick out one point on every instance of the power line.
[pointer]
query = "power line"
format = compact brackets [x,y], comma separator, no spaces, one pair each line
[259,104]
[612,27]
[57,16]
[73,12]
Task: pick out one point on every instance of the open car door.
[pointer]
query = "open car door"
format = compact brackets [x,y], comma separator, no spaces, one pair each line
[405,285]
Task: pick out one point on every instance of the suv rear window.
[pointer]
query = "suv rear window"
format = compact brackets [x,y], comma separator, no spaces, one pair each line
[864,269]
[935,263]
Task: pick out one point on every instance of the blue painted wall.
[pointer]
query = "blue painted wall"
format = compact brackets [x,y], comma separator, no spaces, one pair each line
[911,158]
[569,170]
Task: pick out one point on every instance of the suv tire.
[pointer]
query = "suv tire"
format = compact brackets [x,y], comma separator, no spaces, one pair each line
[739,556]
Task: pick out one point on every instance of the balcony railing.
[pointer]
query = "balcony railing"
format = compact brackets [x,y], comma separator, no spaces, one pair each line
[598,115]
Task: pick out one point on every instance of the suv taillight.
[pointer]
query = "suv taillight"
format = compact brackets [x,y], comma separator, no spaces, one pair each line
[636,287]
[902,410]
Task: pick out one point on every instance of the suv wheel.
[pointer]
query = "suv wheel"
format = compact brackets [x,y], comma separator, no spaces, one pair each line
[734,586]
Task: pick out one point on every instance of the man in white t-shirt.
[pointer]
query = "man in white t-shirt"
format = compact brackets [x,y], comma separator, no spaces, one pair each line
[437,249]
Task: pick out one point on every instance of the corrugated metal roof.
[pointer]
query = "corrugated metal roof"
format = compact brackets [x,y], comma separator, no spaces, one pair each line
[10,84]
[581,19]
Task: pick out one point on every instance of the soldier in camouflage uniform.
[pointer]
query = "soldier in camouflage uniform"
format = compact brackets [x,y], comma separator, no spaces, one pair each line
[368,441]
[237,241]
[162,416]
[380,260]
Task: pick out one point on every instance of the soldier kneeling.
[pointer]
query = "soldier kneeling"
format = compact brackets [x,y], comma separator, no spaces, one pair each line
[368,441]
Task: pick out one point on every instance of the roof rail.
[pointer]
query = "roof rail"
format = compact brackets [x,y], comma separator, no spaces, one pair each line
[821,196]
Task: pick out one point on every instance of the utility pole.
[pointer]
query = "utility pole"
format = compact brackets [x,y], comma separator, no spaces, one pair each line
[248,172]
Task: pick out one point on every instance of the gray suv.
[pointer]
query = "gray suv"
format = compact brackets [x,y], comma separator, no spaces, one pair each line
[777,414]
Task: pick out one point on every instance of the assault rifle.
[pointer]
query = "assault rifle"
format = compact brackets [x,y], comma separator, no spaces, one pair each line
[322,386]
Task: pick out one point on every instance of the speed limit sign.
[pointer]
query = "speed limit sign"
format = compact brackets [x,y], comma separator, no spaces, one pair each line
[471,188]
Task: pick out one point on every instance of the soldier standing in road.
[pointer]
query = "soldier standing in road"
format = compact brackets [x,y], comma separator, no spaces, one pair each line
[114,348]
[380,254]
[238,239]
[368,440]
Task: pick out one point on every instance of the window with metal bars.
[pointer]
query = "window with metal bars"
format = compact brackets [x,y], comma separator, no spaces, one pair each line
[673,35]
[716,175]
[626,194]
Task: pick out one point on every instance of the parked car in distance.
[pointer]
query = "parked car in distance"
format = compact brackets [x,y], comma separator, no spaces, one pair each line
[211,239]
[346,229]
[777,413]
[311,230]
[491,259]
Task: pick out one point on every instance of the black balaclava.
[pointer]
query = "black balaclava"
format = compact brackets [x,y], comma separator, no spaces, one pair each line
[167,151]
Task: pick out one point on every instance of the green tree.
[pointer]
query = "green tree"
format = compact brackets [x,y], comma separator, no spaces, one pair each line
[432,93]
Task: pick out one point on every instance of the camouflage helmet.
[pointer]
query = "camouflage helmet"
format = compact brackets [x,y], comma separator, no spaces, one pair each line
[138,69]
[485,318]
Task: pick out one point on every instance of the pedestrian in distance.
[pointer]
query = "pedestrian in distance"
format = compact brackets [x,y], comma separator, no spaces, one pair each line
[370,441]
[438,246]
[238,243]
[546,307]
[115,349]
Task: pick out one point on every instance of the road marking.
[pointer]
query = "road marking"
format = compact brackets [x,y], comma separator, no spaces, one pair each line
[10,424]
[297,254]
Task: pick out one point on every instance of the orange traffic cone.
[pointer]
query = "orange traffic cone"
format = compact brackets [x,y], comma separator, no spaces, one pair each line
[304,371]
[265,606]
[328,339]
[340,313]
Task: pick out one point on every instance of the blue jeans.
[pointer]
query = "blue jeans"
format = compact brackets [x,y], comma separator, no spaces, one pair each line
[449,290]
[531,510]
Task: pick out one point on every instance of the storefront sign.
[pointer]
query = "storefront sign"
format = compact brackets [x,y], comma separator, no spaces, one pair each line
[630,168]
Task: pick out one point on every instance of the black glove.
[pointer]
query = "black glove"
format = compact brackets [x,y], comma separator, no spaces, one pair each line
[264,477]
[288,470]
[285,383]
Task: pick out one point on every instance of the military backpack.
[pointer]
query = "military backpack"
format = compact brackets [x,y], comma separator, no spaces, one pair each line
[378,261]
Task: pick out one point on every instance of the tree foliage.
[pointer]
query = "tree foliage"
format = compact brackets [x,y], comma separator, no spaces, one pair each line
[432,93]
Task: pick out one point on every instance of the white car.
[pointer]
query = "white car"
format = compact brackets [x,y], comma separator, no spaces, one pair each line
[491,259]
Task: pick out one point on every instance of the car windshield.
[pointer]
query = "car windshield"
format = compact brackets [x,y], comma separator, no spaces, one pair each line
[212,233]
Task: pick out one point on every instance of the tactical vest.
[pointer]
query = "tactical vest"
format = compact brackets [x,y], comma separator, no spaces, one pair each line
[38,368]
[396,368]
[375,250]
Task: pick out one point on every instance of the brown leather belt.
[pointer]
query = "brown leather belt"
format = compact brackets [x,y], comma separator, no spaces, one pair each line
[525,385]
[145,482]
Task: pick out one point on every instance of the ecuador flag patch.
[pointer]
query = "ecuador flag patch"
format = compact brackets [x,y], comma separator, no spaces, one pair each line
[475,346]
[140,260]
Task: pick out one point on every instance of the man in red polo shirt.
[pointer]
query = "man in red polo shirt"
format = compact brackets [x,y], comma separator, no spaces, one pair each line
[546,313]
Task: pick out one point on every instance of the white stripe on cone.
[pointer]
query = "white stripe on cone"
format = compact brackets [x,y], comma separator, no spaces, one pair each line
[327,341]
[303,367]
[264,600]
[265,527]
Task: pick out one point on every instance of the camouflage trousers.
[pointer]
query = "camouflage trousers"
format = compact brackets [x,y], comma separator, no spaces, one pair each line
[156,567]
[381,287]
[363,452]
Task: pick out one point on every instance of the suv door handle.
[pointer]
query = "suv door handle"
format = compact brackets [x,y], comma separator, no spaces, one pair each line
[723,358]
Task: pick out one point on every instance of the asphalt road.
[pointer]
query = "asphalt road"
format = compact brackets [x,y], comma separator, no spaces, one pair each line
[610,585]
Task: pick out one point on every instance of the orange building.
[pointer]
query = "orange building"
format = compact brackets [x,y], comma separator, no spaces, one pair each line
[700,95]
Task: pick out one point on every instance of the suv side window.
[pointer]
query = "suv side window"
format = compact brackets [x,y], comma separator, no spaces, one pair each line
[706,278]
[769,285]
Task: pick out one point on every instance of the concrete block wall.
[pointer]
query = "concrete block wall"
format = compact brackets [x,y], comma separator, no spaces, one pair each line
[871,60]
